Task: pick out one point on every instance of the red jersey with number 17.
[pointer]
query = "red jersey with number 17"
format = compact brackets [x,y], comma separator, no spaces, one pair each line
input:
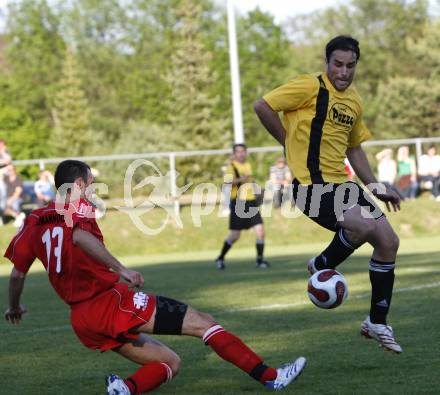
[47,235]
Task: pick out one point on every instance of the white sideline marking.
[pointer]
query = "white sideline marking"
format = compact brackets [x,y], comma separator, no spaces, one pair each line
[240,310]
[306,302]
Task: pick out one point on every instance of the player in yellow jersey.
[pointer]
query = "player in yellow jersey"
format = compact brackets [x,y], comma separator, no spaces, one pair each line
[244,213]
[323,124]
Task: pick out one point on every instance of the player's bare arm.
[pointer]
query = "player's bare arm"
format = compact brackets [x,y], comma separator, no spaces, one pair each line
[270,120]
[359,161]
[15,311]
[97,250]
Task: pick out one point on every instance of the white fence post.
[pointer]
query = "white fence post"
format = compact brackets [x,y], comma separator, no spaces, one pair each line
[418,150]
[172,158]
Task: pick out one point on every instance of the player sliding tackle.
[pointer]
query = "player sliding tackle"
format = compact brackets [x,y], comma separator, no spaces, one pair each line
[107,314]
[322,125]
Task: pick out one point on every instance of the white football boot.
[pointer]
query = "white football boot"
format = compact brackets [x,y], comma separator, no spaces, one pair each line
[382,333]
[311,266]
[116,386]
[286,374]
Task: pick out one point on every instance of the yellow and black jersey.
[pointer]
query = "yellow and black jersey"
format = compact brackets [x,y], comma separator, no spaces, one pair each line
[237,169]
[321,123]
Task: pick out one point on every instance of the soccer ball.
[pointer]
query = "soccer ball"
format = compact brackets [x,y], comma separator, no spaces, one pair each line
[327,289]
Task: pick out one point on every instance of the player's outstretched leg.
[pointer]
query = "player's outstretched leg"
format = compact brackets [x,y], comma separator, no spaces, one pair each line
[232,349]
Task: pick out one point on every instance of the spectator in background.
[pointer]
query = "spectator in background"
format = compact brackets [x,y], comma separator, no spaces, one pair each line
[14,187]
[387,169]
[429,171]
[44,188]
[280,180]
[5,160]
[406,173]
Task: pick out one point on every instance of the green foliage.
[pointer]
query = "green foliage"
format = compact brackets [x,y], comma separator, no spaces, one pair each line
[25,138]
[163,66]
[191,106]
[34,54]
[70,113]
[409,107]
[409,104]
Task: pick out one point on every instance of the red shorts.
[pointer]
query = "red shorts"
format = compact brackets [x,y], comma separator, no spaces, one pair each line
[105,321]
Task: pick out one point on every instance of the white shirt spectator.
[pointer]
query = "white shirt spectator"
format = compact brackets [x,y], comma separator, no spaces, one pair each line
[429,165]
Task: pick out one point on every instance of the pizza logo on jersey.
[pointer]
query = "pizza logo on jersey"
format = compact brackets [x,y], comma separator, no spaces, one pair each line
[140,300]
[342,116]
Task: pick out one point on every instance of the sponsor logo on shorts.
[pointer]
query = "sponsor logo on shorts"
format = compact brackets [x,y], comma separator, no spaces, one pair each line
[140,301]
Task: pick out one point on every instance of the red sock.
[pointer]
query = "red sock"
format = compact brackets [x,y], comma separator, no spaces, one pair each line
[148,377]
[233,350]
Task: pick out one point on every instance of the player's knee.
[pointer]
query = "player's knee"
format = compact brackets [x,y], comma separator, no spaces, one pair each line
[174,364]
[234,238]
[392,242]
[205,321]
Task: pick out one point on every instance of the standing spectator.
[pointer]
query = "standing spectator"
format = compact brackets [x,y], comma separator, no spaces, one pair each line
[429,171]
[14,187]
[387,169]
[44,188]
[280,179]
[5,160]
[406,173]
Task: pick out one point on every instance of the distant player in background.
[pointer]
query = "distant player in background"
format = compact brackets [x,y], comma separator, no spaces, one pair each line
[244,211]
[322,125]
[107,314]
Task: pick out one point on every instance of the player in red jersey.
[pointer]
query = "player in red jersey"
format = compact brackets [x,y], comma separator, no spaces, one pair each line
[109,314]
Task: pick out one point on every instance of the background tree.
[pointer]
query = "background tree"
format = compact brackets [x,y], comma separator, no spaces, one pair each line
[190,106]
[70,113]
[409,104]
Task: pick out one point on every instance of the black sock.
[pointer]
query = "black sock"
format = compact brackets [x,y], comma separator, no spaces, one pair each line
[260,250]
[382,281]
[338,251]
[226,247]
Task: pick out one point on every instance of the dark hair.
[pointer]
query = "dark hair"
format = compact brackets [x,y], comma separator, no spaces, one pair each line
[69,170]
[235,146]
[345,43]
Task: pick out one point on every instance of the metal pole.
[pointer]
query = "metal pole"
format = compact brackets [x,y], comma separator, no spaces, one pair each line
[173,184]
[235,75]
[418,150]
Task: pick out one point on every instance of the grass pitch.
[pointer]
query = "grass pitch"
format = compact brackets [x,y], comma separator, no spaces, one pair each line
[268,309]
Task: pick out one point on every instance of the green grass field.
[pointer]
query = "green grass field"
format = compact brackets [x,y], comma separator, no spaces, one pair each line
[269,309]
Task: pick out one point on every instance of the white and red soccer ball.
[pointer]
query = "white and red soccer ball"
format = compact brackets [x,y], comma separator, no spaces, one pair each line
[327,289]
